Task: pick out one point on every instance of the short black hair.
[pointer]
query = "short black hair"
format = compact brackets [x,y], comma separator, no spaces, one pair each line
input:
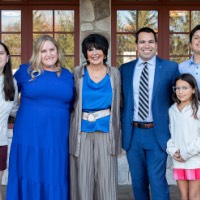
[196,28]
[147,30]
[97,41]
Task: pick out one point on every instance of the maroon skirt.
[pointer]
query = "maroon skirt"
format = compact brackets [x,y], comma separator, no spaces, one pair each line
[3,157]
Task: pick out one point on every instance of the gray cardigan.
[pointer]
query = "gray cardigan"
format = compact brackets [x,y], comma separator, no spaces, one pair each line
[76,115]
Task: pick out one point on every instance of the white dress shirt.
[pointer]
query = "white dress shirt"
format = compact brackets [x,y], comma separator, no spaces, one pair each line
[151,64]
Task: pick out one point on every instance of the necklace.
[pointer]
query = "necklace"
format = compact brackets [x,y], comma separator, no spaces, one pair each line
[97,73]
[96,76]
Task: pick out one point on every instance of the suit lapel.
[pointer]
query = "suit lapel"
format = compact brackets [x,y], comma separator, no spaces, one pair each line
[158,75]
[130,75]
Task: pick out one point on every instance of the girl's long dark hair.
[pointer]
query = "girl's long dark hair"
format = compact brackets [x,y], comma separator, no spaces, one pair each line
[8,88]
[195,97]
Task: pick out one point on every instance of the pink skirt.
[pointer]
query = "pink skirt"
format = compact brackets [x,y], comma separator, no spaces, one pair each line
[186,174]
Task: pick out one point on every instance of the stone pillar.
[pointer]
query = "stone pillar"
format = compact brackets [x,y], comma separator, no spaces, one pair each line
[95,17]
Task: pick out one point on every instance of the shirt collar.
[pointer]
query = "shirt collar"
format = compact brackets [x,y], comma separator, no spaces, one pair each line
[192,60]
[152,61]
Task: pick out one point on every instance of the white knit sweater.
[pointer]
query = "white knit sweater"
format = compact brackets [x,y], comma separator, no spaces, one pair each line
[185,135]
[6,108]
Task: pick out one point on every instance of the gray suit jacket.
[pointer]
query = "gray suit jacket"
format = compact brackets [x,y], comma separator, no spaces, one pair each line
[76,115]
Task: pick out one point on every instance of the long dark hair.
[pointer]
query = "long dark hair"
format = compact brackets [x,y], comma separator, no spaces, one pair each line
[8,88]
[195,97]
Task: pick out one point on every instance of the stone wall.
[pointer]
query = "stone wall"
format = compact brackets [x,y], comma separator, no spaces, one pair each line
[95,17]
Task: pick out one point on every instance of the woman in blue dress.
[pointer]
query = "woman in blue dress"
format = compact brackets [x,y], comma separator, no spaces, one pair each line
[38,165]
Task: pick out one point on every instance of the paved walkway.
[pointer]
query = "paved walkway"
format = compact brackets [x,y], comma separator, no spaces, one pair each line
[125,192]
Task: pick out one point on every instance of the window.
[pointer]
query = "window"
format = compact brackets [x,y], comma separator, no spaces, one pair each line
[11,34]
[181,22]
[60,25]
[171,20]
[128,22]
[20,27]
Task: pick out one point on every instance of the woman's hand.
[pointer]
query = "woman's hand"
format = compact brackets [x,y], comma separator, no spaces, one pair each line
[177,156]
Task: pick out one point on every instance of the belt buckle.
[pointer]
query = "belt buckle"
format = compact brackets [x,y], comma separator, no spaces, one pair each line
[91,117]
[141,125]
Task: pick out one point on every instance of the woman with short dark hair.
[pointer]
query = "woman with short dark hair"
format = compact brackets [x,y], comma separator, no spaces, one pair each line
[95,133]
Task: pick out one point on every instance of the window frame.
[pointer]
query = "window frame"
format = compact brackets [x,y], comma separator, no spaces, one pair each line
[26,25]
[163,23]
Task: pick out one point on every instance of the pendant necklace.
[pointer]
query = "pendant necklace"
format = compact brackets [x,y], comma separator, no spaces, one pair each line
[96,76]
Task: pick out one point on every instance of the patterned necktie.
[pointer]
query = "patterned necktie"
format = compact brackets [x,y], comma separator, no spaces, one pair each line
[143,109]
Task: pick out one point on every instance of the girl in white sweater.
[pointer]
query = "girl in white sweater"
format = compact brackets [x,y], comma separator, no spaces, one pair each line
[8,104]
[184,145]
